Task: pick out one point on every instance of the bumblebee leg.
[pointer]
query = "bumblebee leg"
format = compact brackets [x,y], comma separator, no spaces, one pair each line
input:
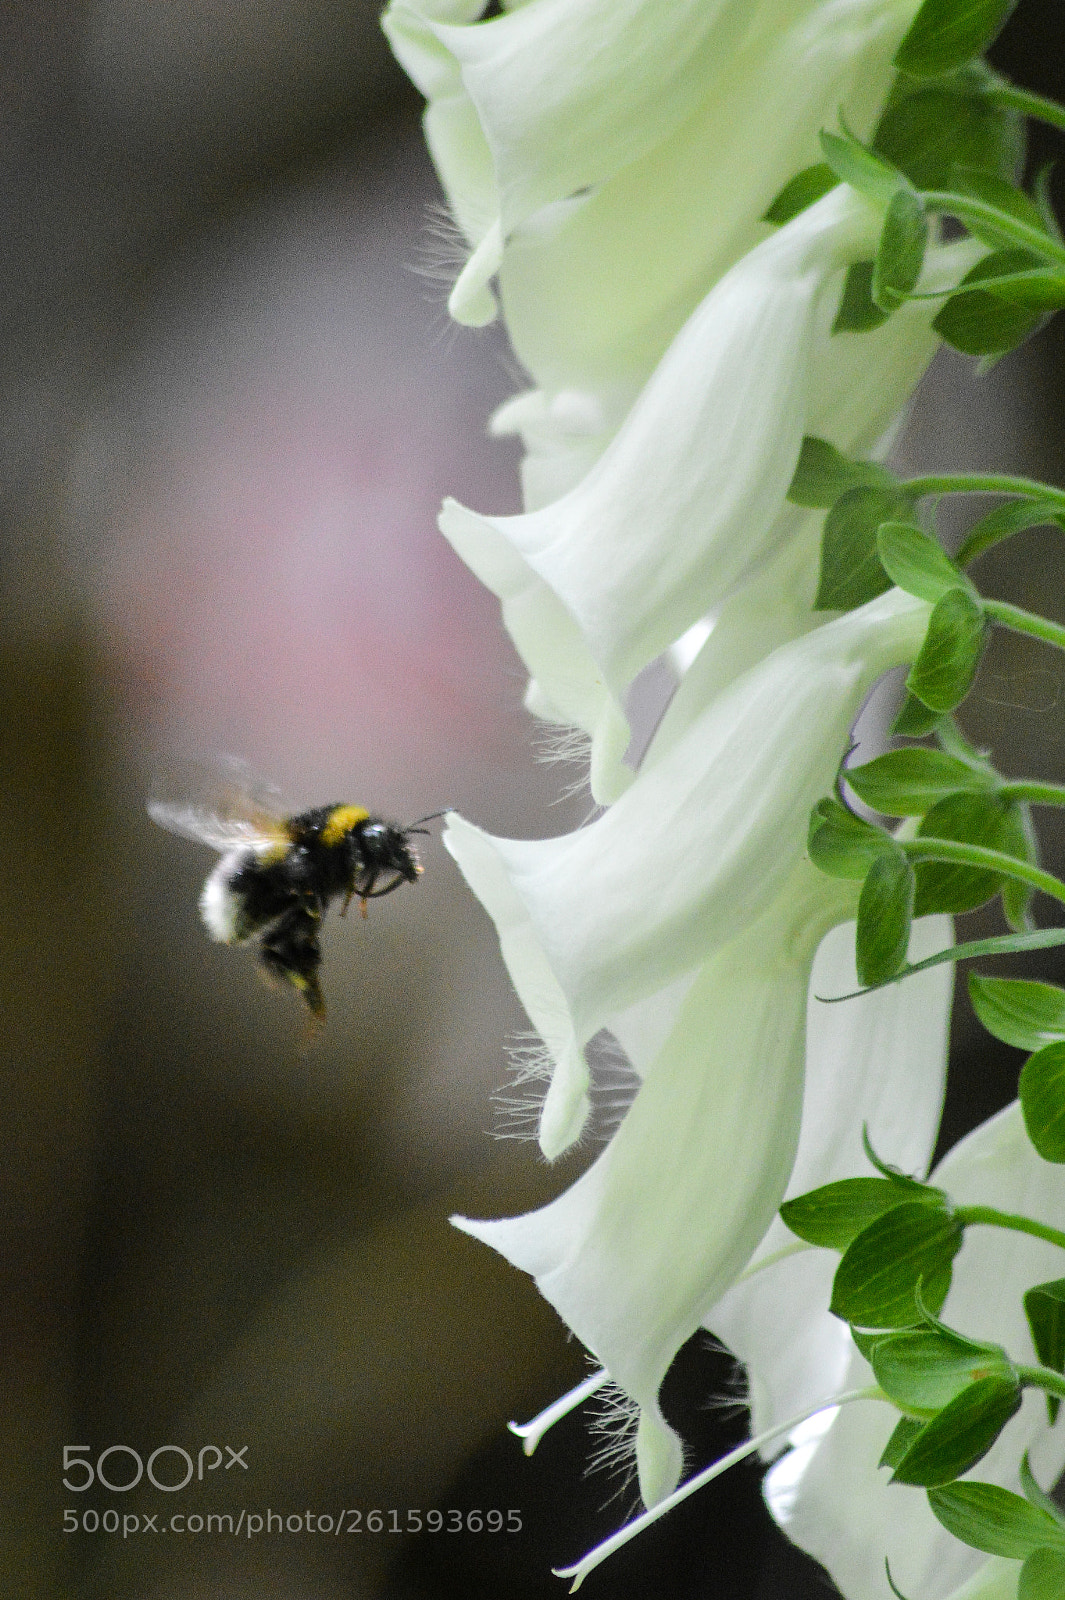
[289,950]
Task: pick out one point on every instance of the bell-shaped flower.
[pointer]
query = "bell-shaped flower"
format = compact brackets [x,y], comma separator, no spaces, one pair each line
[829,1495]
[680,504]
[578,313]
[635,1253]
[696,849]
[877,1062]
[552,97]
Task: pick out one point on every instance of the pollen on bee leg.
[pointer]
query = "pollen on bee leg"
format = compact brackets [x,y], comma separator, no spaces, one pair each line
[362,908]
[347,902]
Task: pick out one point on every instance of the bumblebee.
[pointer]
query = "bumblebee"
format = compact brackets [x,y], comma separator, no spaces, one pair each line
[277,874]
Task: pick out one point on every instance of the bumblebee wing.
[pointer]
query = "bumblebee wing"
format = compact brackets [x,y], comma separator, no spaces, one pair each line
[223,805]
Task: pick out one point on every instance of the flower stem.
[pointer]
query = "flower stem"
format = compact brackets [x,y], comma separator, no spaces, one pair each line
[580,1570]
[1026,622]
[1034,794]
[983,483]
[1028,104]
[530,1433]
[977,855]
[1042,1378]
[991,1217]
[970,210]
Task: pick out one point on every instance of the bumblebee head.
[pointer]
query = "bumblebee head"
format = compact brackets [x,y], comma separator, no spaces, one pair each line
[385,849]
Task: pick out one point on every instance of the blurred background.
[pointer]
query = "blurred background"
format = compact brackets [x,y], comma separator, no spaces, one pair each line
[230,404]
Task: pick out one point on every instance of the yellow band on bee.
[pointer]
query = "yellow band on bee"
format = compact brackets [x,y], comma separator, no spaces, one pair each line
[341,821]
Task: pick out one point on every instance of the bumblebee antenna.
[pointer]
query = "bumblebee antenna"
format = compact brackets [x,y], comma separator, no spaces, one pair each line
[433,815]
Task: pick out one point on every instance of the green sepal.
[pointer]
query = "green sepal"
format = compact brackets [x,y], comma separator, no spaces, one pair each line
[1005,196]
[823,474]
[858,311]
[964,818]
[906,783]
[994,1520]
[945,34]
[1044,1306]
[809,185]
[903,1435]
[917,563]
[1006,520]
[979,323]
[892,1585]
[921,1370]
[865,171]
[1042,1096]
[866,1343]
[911,1245]
[961,1434]
[1044,201]
[851,572]
[842,845]
[900,253]
[943,673]
[915,720]
[1043,1575]
[1019,1011]
[885,912]
[836,1214]
[934,131]
[915,1187]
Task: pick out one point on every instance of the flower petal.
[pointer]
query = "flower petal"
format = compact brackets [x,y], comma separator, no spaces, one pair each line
[635,1252]
[592,922]
[878,1062]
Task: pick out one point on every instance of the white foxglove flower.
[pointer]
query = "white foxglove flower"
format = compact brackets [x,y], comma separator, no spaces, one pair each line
[553,97]
[699,846]
[679,506]
[879,1062]
[830,1497]
[635,1253]
[594,289]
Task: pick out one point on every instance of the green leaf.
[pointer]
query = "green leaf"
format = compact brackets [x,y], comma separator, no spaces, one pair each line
[961,1434]
[823,475]
[905,1432]
[912,1244]
[943,673]
[858,312]
[1004,195]
[1019,1011]
[917,563]
[905,783]
[1042,1093]
[1044,1306]
[973,818]
[900,254]
[945,34]
[856,164]
[994,1520]
[1036,1495]
[914,720]
[1006,520]
[1021,840]
[1042,1576]
[885,911]
[851,572]
[931,130]
[801,191]
[981,324]
[837,1213]
[1044,201]
[915,1188]
[922,1369]
[1002,944]
[841,844]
